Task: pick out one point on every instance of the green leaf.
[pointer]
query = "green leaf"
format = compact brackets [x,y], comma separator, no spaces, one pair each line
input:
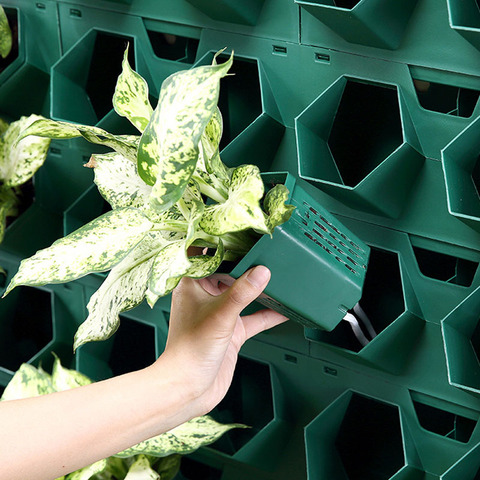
[21,157]
[242,208]
[169,266]
[66,379]
[27,382]
[183,439]
[118,181]
[95,247]
[5,34]
[141,470]
[168,467]
[122,290]
[8,208]
[275,206]
[202,266]
[130,99]
[88,472]
[168,149]
[126,145]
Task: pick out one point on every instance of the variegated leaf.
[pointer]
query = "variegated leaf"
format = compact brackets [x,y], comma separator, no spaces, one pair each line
[126,145]
[27,382]
[3,126]
[118,181]
[242,208]
[122,290]
[21,157]
[168,467]
[211,145]
[8,208]
[130,99]
[141,470]
[169,266]
[5,34]
[202,266]
[168,150]
[183,439]
[88,472]
[275,206]
[65,378]
[95,247]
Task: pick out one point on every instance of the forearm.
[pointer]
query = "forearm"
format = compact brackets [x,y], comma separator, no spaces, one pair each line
[49,436]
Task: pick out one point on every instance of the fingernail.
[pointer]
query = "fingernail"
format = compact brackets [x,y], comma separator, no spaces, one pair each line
[259,276]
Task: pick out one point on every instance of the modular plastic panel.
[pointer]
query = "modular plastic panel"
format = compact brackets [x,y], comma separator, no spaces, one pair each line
[373,108]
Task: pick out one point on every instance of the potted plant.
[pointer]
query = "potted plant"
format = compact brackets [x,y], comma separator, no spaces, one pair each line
[158,457]
[169,191]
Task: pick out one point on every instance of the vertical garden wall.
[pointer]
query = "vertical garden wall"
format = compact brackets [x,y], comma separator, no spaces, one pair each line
[373,105]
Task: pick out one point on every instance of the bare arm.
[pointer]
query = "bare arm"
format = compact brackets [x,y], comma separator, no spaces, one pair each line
[50,436]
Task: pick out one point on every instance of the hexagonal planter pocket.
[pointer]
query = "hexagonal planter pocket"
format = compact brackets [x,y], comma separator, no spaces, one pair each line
[359,437]
[84,79]
[464,17]
[461,168]
[136,344]
[252,125]
[356,142]
[35,321]
[461,337]
[389,304]
[24,76]
[368,22]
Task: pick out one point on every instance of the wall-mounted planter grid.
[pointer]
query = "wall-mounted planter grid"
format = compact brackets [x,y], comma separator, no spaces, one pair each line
[372,109]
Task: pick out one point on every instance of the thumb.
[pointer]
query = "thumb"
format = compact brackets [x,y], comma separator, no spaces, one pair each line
[245,290]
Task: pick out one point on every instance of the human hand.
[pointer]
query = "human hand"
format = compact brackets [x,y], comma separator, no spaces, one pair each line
[206,332]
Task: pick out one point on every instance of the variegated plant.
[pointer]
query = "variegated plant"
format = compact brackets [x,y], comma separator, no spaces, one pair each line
[5,34]
[19,160]
[158,457]
[157,184]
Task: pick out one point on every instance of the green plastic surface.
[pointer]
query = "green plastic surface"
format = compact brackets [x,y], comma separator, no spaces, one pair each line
[375,111]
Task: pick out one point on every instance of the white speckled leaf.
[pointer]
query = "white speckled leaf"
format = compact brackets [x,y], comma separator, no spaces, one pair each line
[202,266]
[88,472]
[122,290]
[242,208]
[66,379]
[5,34]
[141,470]
[275,206]
[118,181]
[130,99]
[8,207]
[168,268]
[168,150]
[27,382]
[20,159]
[124,144]
[183,439]
[95,247]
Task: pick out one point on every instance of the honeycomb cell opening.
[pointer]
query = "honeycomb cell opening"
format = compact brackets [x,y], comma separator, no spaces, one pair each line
[105,67]
[26,326]
[248,401]
[366,129]
[382,300]
[446,424]
[446,268]
[133,347]
[240,99]
[173,47]
[447,99]
[12,16]
[369,441]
